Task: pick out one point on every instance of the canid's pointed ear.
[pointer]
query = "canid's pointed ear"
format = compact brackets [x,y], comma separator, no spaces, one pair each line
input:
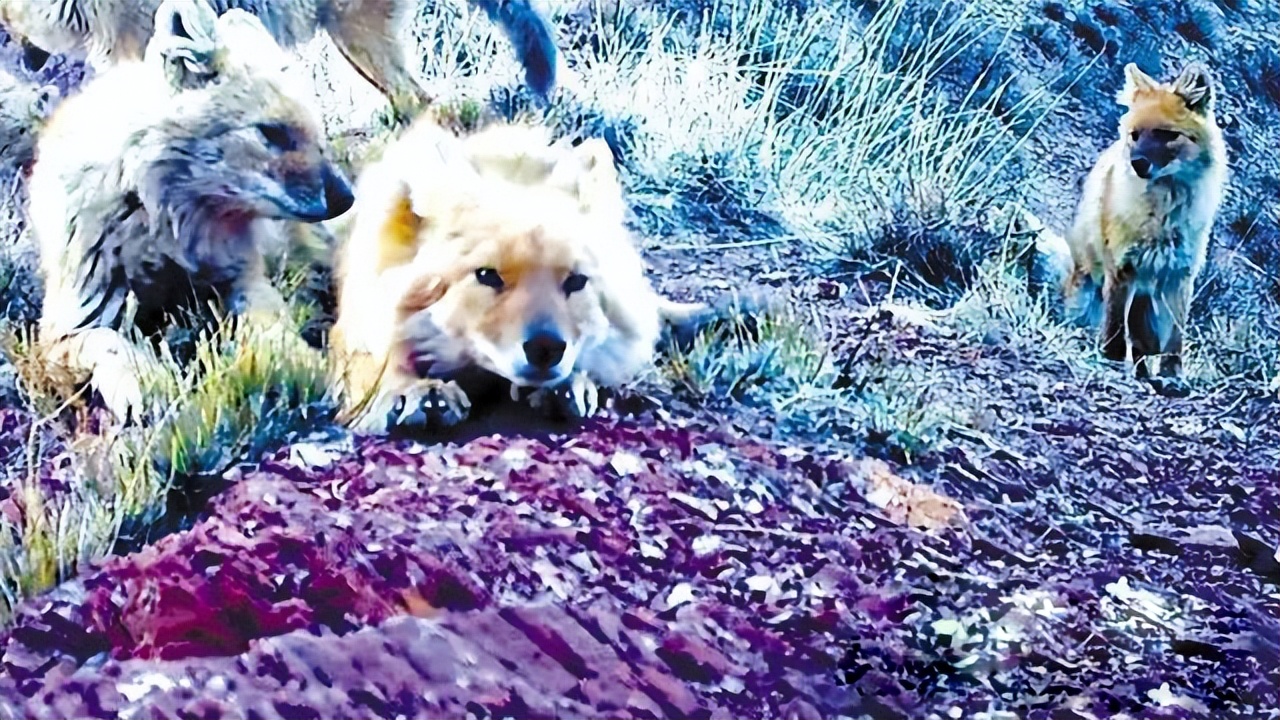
[398,237]
[598,187]
[185,42]
[1195,87]
[1135,81]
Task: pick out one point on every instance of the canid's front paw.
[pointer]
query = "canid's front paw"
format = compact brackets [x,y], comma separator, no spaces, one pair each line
[576,398]
[121,393]
[428,403]
[1169,386]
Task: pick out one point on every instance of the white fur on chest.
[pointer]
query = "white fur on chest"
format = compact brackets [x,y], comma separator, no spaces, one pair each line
[1167,225]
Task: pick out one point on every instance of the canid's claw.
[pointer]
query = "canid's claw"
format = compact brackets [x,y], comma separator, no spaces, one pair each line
[429,403]
[578,398]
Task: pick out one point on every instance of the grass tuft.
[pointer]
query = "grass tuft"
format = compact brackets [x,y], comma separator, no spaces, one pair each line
[742,358]
[832,126]
[782,362]
[247,389]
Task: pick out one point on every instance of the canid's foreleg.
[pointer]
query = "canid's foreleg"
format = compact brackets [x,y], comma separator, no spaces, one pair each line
[576,398]
[114,367]
[1117,292]
[1143,335]
[401,400]
[1175,301]
[1168,321]
[378,395]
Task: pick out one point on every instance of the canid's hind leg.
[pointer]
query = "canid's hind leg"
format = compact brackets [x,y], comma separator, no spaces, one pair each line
[114,367]
[1143,335]
[1116,293]
[365,33]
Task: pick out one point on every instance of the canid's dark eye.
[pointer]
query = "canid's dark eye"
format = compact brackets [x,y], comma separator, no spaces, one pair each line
[1135,135]
[574,283]
[277,136]
[1166,136]
[490,277]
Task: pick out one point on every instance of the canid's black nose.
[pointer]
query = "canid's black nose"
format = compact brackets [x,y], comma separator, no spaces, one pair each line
[544,350]
[338,197]
[1142,167]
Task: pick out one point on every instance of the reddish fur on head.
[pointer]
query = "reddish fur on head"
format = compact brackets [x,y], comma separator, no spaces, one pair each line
[501,251]
[1169,126]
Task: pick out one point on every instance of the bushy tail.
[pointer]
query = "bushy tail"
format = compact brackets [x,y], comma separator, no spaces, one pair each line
[532,38]
[1076,297]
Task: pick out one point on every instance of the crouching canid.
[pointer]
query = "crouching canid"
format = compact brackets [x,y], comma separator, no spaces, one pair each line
[498,251]
[365,31]
[158,186]
[1142,228]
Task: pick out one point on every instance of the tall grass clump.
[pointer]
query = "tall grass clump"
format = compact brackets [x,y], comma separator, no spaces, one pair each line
[834,125]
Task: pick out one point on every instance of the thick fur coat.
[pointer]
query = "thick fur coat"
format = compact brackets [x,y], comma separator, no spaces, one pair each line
[1142,228]
[158,187]
[365,31]
[500,252]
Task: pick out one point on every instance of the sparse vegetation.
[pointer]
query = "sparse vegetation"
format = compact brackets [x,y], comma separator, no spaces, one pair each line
[783,362]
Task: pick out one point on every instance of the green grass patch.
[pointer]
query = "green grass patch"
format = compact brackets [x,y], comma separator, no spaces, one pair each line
[247,390]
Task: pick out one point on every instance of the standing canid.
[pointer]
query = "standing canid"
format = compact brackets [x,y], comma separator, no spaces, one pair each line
[161,182]
[1142,227]
[364,31]
[497,251]
[23,107]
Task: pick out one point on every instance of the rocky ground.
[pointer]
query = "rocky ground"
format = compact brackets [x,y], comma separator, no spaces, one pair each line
[1073,546]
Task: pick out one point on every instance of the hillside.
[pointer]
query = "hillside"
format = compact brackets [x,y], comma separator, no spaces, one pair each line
[902,489]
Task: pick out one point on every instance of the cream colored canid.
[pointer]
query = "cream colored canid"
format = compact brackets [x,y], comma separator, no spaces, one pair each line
[500,251]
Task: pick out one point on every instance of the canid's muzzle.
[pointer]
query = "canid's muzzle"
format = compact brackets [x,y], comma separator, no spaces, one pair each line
[1153,151]
[544,349]
[332,198]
